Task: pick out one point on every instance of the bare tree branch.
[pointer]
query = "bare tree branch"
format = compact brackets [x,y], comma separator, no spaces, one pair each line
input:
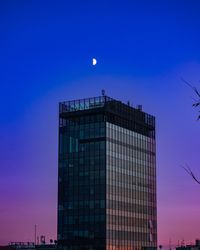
[197,102]
[189,171]
[194,88]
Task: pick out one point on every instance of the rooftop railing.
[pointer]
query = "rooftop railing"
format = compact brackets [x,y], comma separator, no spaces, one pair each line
[84,104]
[98,102]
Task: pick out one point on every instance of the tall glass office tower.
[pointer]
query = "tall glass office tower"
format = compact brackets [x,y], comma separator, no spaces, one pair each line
[106,177]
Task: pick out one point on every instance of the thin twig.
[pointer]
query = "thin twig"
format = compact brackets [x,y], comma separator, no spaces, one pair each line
[197,102]
[189,171]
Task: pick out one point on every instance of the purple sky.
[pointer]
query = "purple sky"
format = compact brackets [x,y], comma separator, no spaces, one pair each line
[29,149]
[142,50]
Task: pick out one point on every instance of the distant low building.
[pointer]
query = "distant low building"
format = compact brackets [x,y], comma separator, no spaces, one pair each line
[22,245]
[28,246]
[190,247]
[46,247]
[5,248]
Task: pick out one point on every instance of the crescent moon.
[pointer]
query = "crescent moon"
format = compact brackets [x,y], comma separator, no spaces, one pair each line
[94,61]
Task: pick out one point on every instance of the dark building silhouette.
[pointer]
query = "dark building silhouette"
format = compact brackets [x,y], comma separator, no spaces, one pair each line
[107,176]
[28,246]
[190,247]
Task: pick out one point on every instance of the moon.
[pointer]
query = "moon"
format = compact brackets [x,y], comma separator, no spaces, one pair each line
[94,61]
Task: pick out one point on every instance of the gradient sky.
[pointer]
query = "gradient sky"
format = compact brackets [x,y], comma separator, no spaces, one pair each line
[142,49]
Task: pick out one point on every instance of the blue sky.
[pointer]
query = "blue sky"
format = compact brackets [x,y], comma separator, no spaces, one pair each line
[46,42]
[142,49]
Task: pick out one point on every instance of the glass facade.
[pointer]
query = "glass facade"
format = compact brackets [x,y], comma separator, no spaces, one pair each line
[106,176]
[130,189]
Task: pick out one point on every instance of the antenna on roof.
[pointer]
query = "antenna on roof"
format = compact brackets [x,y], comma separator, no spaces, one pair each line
[170,244]
[103,92]
[35,233]
[139,107]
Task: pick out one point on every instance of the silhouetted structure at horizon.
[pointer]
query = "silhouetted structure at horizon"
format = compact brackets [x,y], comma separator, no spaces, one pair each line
[196,246]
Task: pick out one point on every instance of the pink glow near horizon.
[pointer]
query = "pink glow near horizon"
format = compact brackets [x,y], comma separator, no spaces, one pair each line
[28,188]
